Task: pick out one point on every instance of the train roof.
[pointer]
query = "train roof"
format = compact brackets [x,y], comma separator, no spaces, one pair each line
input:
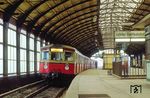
[64,46]
[58,46]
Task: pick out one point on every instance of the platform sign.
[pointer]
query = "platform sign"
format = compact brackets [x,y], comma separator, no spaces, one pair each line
[129,34]
[148,69]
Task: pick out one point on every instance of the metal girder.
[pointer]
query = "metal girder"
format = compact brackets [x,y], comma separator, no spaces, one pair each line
[21,19]
[71,40]
[147,4]
[49,34]
[88,47]
[117,8]
[115,13]
[120,2]
[99,35]
[110,11]
[80,39]
[77,29]
[86,50]
[31,24]
[84,39]
[11,9]
[78,21]
[136,19]
[61,31]
[78,11]
[39,28]
[69,20]
[145,10]
[73,34]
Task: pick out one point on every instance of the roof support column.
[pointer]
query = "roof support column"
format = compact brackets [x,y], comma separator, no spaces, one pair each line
[5,48]
[35,54]
[27,54]
[147,42]
[18,49]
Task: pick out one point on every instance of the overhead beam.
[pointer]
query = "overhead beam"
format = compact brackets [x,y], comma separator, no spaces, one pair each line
[84,39]
[78,20]
[80,39]
[80,16]
[31,24]
[77,17]
[75,33]
[39,28]
[70,27]
[77,29]
[21,19]
[9,11]
[76,12]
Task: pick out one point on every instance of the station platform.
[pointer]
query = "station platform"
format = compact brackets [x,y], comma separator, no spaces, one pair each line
[95,83]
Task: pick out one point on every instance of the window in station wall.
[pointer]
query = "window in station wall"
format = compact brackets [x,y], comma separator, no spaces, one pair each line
[31,49]
[31,61]
[23,39]
[23,59]
[38,54]
[11,37]
[1,21]
[23,65]
[38,61]
[31,42]
[11,60]
[1,33]
[11,49]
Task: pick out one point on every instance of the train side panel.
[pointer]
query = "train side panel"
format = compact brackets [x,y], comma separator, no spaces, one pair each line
[57,67]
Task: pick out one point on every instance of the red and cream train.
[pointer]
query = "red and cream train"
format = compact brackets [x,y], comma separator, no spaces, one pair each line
[63,60]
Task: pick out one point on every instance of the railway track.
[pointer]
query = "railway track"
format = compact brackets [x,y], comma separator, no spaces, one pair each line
[25,91]
[38,89]
[51,92]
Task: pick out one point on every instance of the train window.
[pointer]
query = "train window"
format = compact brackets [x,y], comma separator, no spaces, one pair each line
[68,56]
[45,55]
[57,56]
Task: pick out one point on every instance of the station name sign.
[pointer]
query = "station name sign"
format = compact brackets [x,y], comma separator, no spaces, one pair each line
[129,34]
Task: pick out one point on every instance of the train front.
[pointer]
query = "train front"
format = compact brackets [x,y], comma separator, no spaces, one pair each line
[57,62]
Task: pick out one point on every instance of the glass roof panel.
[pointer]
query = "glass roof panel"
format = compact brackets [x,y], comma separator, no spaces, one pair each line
[114,13]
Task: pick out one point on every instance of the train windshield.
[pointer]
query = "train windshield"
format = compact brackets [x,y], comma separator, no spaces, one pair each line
[68,56]
[57,56]
[45,55]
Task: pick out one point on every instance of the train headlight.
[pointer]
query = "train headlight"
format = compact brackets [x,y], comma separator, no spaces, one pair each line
[67,67]
[45,66]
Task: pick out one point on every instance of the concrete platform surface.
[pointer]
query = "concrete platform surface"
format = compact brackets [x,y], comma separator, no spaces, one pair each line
[95,83]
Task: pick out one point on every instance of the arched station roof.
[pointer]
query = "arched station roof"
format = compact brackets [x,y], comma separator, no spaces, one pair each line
[70,22]
[87,25]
